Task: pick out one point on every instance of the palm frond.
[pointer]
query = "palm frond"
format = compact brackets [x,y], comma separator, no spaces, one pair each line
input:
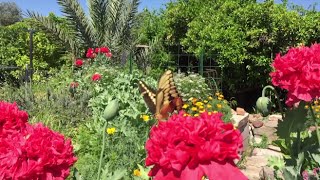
[78,19]
[126,21]
[99,17]
[66,35]
[114,10]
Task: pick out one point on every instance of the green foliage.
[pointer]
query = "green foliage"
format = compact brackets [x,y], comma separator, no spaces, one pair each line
[14,42]
[149,30]
[242,36]
[263,144]
[192,86]
[300,147]
[125,148]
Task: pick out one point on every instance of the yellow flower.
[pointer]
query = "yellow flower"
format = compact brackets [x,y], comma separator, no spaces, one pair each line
[146,118]
[317,110]
[221,96]
[209,113]
[210,98]
[318,116]
[306,106]
[215,112]
[194,108]
[201,107]
[136,172]
[111,130]
[205,101]
[185,114]
[209,106]
[196,115]
[217,93]
[185,106]
[194,100]
[199,103]
[219,106]
[201,111]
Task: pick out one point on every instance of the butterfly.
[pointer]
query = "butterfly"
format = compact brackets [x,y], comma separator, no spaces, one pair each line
[163,101]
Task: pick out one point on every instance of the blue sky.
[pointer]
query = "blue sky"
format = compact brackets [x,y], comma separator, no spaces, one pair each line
[46,6]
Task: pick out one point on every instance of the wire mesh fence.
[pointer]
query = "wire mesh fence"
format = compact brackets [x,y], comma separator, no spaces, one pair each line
[205,66]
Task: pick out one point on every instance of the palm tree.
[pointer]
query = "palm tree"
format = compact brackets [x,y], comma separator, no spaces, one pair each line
[108,23]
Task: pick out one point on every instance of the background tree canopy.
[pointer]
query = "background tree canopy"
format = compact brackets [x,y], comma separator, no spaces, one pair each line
[9,13]
[242,36]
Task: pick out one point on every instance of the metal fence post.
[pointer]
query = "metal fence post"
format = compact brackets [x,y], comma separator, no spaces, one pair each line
[31,31]
[201,62]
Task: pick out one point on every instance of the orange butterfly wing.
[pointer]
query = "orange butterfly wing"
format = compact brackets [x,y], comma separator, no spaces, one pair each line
[166,100]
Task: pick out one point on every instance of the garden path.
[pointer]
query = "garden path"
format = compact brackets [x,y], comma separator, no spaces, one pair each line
[255,163]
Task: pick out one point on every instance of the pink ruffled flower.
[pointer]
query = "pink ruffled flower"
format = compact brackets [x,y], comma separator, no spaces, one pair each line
[193,147]
[298,72]
[12,120]
[30,152]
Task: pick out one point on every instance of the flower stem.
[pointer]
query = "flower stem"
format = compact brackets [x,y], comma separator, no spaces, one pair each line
[315,123]
[102,148]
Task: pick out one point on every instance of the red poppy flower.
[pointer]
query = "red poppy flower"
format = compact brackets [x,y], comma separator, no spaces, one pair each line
[78,63]
[97,50]
[74,84]
[90,53]
[298,72]
[11,119]
[109,54]
[96,77]
[193,147]
[104,50]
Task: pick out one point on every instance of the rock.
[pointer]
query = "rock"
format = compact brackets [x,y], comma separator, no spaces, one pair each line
[256,161]
[266,173]
[272,123]
[257,124]
[254,117]
[266,153]
[240,111]
[233,112]
[275,117]
[266,131]
[257,139]
[252,173]
[240,121]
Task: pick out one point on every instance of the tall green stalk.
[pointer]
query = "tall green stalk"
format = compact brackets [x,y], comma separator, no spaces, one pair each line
[315,123]
[102,148]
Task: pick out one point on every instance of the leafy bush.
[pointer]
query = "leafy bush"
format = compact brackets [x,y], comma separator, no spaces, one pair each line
[14,43]
[192,86]
[198,97]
